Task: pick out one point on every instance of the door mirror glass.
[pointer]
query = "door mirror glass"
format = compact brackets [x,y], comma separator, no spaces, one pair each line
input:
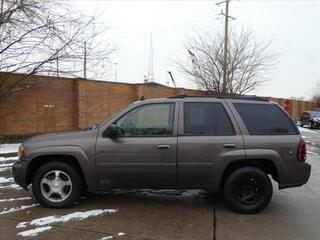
[110,132]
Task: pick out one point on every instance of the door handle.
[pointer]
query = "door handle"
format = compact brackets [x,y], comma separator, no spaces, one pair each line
[229,145]
[164,147]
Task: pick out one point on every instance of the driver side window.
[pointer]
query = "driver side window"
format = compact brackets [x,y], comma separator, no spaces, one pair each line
[147,120]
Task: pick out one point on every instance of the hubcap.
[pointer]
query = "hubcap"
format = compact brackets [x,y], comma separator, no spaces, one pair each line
[249,190]
[56,186]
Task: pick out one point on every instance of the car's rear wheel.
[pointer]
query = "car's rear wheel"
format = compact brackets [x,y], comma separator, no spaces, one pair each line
[56,185]
[248,190]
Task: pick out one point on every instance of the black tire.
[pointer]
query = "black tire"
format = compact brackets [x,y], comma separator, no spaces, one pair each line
[311,126]
[246,182]
[74,192]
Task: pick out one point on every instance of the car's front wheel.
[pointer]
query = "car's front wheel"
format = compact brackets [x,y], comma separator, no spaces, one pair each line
[248,190]
[56,185]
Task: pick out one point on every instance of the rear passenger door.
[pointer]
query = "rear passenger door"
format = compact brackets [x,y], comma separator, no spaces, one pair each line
[208,135]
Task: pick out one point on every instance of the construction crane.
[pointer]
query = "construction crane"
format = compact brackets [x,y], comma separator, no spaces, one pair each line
[173,82]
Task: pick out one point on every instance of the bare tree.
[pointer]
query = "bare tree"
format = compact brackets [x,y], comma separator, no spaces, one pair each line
[248,62]
[48,37]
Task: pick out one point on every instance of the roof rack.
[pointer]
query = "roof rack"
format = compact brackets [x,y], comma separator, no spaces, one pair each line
[243,97]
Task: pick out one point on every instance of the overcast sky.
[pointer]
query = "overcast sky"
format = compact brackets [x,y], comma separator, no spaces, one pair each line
[293,27]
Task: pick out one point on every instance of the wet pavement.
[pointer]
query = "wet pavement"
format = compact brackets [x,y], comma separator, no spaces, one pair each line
[162,215]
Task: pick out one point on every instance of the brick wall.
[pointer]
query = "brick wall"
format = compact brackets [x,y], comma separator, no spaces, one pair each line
[62,104]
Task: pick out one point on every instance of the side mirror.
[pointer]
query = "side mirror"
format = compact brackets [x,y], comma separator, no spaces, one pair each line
[110,132]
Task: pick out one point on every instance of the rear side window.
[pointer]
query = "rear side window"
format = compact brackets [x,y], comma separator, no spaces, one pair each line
[262,119]
[206,119]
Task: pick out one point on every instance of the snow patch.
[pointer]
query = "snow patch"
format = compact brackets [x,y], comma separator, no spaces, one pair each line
[5,169]
[11,186]
[22,225]
[16,209]
[301,129]
[111,237]
[72,216]
[106,238]
[9,148]
[34,232]
[6,180]
[45,221]
[15,199]
[8,159]
[6,165]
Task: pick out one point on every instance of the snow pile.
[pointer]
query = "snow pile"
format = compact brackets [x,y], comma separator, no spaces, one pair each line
[111,237]
[3,165]
[106,238]
[46,221]
[11,186]
[15,199]
[9,148]
[33,232]
[6,180]
[8,159]
[301,129]
[16,209]
[4,169]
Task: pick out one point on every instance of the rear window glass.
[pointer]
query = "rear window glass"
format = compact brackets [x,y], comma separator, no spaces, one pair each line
[206,119]
[262,119]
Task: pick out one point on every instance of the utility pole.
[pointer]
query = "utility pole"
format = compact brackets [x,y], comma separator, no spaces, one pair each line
[85,61]
[150,69]
[225,48]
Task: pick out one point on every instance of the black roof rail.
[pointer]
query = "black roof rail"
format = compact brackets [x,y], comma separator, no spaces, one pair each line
[242,97]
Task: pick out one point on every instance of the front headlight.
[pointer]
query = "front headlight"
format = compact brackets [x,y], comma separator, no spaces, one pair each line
[20,151]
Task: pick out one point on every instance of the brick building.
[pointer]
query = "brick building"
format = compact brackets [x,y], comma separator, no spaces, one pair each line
[63,104]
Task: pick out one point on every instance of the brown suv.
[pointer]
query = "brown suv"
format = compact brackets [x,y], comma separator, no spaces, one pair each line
[178,142]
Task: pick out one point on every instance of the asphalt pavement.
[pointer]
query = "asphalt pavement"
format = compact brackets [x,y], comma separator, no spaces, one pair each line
[164,215]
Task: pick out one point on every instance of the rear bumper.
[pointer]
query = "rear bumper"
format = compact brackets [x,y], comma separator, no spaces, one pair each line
[296,174]
[19,172]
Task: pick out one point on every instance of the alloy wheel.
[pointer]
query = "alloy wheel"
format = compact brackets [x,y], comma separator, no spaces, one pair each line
[56,186]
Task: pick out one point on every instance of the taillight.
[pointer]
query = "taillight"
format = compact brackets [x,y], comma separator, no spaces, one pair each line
[302,151]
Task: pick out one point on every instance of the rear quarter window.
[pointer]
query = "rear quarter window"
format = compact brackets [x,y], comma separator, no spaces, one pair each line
[263,119]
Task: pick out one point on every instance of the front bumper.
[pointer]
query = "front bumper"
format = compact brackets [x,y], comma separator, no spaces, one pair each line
[19,172]
[296,174]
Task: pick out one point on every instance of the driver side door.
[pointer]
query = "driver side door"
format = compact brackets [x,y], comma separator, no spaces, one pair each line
[144,152]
